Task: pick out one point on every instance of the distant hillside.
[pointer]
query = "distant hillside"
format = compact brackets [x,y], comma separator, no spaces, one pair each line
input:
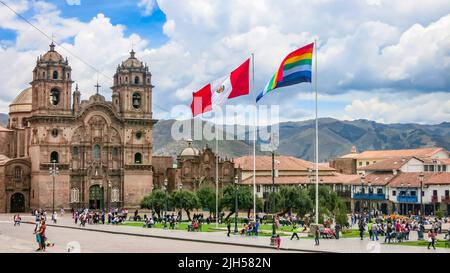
[3,120]
[296,138]
[335,138]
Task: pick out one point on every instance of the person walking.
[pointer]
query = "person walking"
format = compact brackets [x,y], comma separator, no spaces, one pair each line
[294,232]
[17,220]
[317,236]
[337,229]
[54,217]
[228,228]
[361,229]
[432,238]
[374,232]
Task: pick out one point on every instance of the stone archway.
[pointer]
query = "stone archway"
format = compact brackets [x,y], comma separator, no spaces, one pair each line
[17,203]
[96,197]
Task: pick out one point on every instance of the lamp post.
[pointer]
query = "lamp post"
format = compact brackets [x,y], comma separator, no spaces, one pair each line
[369,201]
[165,190]
[421,178]
[236,193]
[54,171]
[363,178]
[273,238]
[180,188]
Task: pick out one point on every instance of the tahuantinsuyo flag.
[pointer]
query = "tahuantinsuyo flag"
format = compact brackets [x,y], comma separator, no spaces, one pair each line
[295,68]
[218,92]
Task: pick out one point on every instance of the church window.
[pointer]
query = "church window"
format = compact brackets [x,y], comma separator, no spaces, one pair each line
[138,135]
[137,100]
[75,151]
[54,96]
[54,157]
[138,158]
[43,74]
[115,152]
[54,132]
[74,195]
[136,80]
[68,75]
[96,152]
[17,173]
[115,195]
[55,75]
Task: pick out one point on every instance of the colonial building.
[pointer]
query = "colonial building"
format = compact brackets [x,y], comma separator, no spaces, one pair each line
[193,169]
[100,151]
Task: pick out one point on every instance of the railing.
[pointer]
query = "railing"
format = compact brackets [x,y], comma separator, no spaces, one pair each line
[407,199]
[367,196]
[445,199]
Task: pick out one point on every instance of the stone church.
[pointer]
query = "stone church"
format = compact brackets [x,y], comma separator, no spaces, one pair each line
[98,152]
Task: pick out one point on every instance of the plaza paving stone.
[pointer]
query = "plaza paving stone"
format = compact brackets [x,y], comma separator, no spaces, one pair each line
[351,245]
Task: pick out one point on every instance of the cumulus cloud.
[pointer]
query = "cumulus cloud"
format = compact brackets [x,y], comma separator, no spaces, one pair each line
[148,6]
[401,47]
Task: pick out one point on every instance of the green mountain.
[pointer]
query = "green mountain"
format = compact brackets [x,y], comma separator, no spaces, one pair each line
[336,138]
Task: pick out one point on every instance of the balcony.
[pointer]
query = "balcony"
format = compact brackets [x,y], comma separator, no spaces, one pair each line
[344,194]
[371,196]
[445,199]
[434,199]
[407,199]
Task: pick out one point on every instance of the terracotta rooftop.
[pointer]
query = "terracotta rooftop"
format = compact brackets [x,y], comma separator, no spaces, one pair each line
[3,129]
[421,152]
[335,178]
[394,163]
[442,178]
[439,161]
[375,179]
[286,163]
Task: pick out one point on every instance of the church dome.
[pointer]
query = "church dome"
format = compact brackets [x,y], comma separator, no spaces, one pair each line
[190,151]
[52,55]
[132,62]
[22,103]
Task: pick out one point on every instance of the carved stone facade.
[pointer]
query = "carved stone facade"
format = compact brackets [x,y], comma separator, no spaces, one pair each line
[195,169]
[102,149]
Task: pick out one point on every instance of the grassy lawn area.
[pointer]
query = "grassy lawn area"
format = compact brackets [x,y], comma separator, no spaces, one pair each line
[266,231]
[353,233]
[424,243]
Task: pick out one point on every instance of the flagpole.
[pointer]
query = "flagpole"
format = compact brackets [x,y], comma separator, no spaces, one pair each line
[217,171]
[317,134]
[254,141]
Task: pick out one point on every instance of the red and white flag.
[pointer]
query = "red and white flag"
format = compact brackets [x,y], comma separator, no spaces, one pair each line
[218,92]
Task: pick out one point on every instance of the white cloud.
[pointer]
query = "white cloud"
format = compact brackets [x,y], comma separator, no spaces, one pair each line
[148,6]
[402,46]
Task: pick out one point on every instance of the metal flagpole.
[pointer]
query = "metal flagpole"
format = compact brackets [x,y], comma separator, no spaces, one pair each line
[255,131]
[217,171]
[317,135]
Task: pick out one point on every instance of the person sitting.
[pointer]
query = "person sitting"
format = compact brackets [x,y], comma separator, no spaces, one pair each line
[249,230]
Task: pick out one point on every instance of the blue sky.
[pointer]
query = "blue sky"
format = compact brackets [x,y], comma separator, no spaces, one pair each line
[382,60]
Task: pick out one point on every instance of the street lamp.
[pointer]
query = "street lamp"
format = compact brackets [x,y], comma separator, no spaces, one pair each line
[54,171]
[236,193]
[369,189]
[363,178]
[421,178]
[165,190]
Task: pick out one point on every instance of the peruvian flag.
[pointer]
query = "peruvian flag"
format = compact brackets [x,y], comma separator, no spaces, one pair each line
[218,92]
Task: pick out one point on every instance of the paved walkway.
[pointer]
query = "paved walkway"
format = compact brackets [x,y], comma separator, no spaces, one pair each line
[350,245]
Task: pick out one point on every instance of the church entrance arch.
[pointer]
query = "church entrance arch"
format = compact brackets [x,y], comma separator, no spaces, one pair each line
[17,203]
[96,197]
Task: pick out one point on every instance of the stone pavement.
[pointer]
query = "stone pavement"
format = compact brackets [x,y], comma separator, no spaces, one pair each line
[350,245]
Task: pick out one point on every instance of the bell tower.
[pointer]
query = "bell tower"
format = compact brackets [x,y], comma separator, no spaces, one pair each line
[132,90]
[52,84]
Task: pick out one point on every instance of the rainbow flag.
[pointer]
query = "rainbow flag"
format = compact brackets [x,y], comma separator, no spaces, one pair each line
[295,68]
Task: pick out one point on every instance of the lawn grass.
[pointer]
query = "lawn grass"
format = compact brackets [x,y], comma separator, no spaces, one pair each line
[266,231]
[423,243]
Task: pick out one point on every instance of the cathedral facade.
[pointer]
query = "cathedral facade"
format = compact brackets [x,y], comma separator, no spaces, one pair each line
[63,152]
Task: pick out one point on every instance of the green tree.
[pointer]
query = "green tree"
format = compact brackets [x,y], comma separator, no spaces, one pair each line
[329,202]
[245,199]
[156,201]
[274,202]
[187,200]
[207,199]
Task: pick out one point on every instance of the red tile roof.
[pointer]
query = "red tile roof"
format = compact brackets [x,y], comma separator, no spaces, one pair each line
[394,163]
[376,179]
[286,163]
[442,178]
[421,152]
[336,178]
